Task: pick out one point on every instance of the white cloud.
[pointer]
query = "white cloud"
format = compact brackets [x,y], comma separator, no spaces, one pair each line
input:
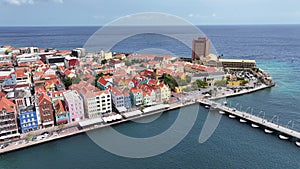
[22,2]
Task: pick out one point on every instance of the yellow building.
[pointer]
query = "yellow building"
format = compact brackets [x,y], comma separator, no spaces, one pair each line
[236,63]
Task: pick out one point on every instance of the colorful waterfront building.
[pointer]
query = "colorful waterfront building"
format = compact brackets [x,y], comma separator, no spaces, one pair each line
[165,92]
[136,96]
[8,119]
[45,109]
[62,116]
[117,98]
[103,84]
[127,100]
[74,105]
[28,120]
[96,103]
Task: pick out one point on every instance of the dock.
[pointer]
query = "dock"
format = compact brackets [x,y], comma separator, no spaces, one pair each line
[255,121]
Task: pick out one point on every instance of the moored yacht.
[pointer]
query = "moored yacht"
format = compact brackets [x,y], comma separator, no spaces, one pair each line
[283,137]
[243,120]
[254,125]
[268,131]
[222,112]
[231,116]
[298,143]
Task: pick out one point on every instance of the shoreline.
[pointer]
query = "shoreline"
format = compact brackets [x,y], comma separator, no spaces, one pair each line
[95,127]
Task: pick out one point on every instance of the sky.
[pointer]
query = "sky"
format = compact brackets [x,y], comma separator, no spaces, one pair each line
[101,12]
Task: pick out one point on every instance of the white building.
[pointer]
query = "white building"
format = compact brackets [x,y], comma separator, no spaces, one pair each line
[117,97]
[96,102]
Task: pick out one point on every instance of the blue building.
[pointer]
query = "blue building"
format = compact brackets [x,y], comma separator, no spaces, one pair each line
[127,100]
[28,121]
[10,80]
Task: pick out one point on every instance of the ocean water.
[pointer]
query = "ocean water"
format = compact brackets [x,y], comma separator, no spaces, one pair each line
[233,145]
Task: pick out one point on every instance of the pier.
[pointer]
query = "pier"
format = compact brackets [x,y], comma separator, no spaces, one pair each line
[255,121]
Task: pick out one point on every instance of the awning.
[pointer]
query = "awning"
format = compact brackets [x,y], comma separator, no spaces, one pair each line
[62,121]
[112,118]
[90,122]
[131,114]
[121,109]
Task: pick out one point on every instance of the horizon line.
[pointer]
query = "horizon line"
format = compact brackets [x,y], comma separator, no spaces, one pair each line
[255,24]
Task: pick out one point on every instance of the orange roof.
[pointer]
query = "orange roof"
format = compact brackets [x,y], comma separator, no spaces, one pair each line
[135,90]
[125,93]
[20,73]
[102,81]
[116,91]
[59,108]
[42,97]
[91,94]
[6,104]
[38,73]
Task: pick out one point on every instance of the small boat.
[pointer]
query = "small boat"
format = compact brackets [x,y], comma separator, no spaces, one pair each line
[283,137]
[254,125]
[268,131]
[222,112]
[298,143]
[231,116]
[243,121]
[207,107]
[225,103]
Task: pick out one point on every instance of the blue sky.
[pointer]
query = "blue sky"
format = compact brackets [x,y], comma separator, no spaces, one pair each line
[100,12]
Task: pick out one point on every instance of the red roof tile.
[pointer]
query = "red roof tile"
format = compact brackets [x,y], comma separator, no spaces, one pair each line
[6,104]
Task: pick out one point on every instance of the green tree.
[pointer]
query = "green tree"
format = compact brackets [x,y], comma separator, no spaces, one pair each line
[103,62]
[170,81]
[67,82]
[29,136]
[201,84]
[128,63]
[60,127]
[220,83]
[244,82]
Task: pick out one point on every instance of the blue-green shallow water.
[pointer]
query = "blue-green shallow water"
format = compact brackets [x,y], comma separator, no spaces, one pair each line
[233,145]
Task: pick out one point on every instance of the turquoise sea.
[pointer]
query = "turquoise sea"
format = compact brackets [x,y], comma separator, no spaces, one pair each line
[233,145]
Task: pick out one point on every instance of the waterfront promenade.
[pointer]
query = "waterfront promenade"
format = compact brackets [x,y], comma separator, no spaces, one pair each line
[74,130]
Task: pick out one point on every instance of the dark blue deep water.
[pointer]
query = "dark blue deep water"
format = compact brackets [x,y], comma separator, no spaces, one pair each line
[233,145]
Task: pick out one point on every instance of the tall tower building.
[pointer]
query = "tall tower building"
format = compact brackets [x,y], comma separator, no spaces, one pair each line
[201,47]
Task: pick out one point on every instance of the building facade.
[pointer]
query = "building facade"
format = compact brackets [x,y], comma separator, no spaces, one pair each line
[117,97]
[8,119]
[127,100]
[28,120]
[136,96]
[74,105]
[62,116]
[201,47]
[96,103]
[45,110]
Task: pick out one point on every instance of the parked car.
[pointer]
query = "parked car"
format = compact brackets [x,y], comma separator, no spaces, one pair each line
[2,146]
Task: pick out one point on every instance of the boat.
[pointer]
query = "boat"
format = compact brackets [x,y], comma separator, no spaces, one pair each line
[243,121]
[207,107]
[222,112]
[268,131]
[225,103]
[254,125]
[298,143]
[231,116]
[283,137]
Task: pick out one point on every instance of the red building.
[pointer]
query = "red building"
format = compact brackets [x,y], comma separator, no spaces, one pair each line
[46,110]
